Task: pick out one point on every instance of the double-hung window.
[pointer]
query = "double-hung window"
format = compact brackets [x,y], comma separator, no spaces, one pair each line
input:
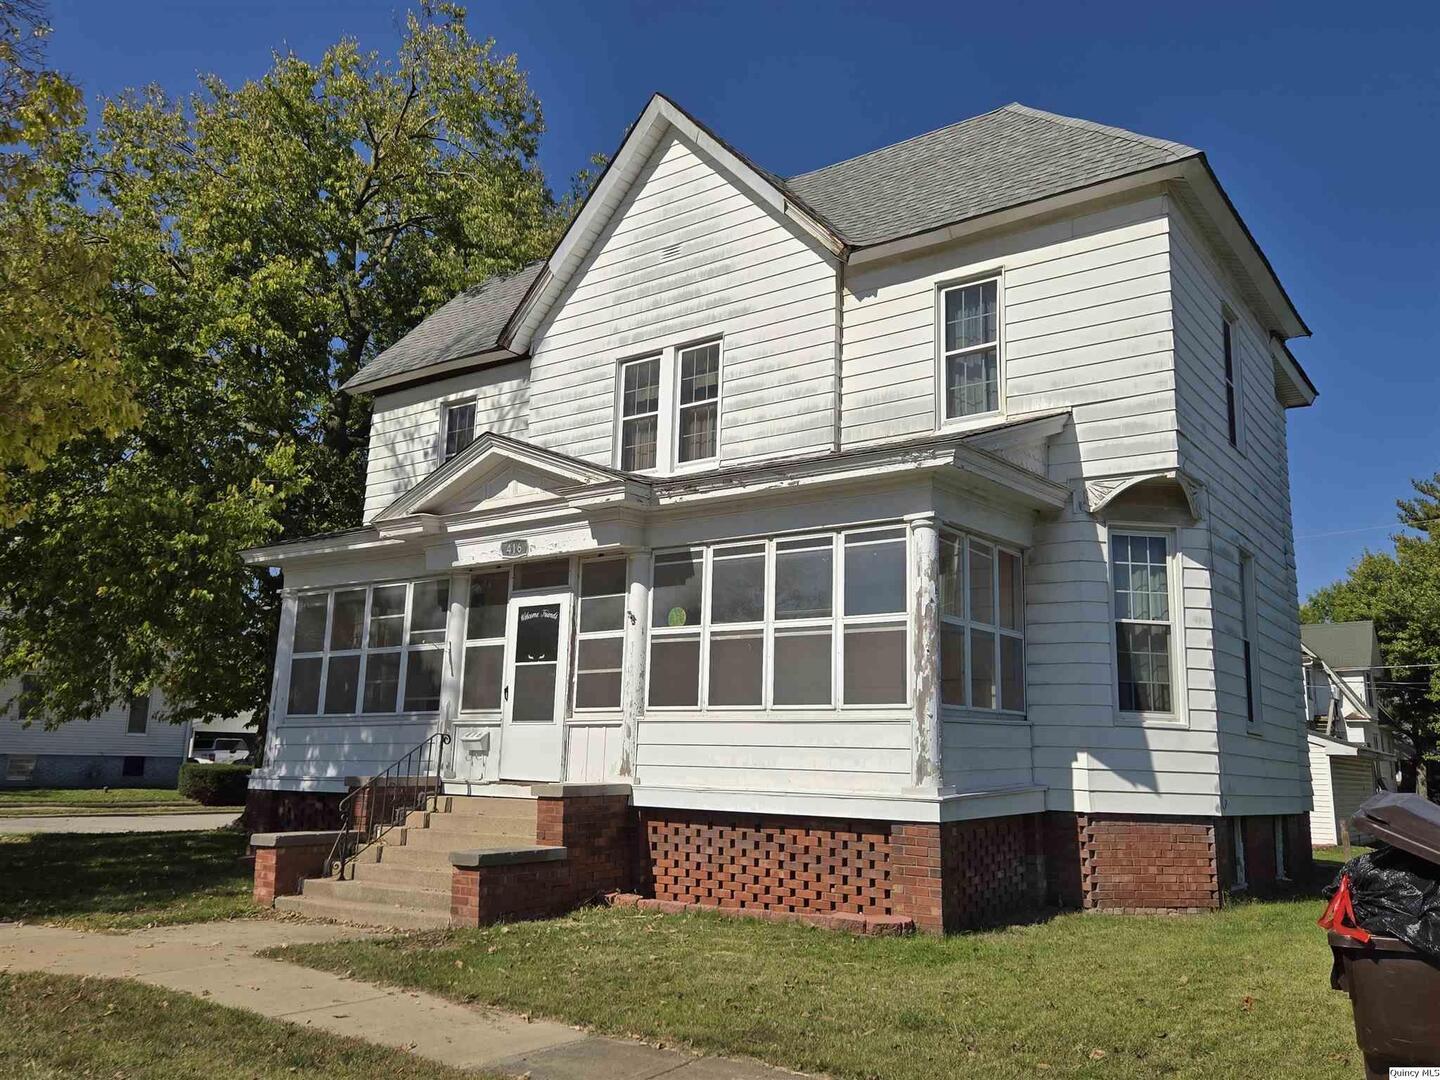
[1232,412]
[982,625]
[600,634]
[788,623]
[376,649]
[459,427]
[1144,645]
[970,349]
[669,409]
[1248,633]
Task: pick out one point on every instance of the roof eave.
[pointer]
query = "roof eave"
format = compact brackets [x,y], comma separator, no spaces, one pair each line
[441,369]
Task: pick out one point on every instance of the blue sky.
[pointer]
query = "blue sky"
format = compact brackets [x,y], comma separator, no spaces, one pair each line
[1322,120]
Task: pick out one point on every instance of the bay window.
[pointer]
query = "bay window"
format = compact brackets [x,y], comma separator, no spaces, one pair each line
[368,649]
[1140,574]
[982,625]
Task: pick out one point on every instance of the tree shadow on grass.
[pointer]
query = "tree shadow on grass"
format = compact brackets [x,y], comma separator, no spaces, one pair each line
[126,879]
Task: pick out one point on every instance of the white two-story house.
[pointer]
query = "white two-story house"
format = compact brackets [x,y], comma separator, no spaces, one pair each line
[933,505]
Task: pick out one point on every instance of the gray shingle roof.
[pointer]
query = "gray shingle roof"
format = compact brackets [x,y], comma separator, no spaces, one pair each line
[469,324]
[1004,158]
[1345,646]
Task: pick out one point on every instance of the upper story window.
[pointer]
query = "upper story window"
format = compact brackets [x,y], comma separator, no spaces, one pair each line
[970,349]
[1232,411]
[669,409]
[459,427]
[1144,622]
[139,715]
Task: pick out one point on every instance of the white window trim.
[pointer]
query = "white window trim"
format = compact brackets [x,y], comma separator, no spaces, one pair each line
[964,623]
[1231,384]
[948,423]
[667,415]
[1250,636]
[599,635]
[835,624]
[444,423]
[404,649]
[1179,717]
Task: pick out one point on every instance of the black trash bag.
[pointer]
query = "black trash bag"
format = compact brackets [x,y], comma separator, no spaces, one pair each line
[1395,894]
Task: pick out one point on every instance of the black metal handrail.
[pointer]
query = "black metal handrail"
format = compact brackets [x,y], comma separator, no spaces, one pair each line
[387,798]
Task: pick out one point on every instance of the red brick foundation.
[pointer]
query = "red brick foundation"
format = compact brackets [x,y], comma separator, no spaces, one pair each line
[950,876]
[1262,871]
[291,811]
[283,860]
[597,835]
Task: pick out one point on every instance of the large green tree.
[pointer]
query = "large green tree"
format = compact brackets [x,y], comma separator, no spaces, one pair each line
[60,370]
[1400,591]
[266,239]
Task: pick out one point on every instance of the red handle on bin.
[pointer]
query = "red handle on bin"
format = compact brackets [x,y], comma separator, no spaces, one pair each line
[1339,916]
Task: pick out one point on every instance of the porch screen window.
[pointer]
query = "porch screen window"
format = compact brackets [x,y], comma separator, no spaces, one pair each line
[640,413]
[678,584]
[485,642]
[699,401]
[788,623]
[982,625]
[1140,565]
[370,649]
[459,428]
[970,334]
[600,638]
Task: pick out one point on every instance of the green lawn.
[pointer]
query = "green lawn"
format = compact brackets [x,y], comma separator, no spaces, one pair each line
[55,1026]
[1242,993]
[81,802]
[124,880]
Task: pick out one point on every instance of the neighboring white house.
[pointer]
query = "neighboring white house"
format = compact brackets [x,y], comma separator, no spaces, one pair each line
[1352,744]
[945,485]
[131,744]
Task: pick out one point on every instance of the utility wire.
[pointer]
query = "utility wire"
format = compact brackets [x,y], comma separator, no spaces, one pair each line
[1370,528]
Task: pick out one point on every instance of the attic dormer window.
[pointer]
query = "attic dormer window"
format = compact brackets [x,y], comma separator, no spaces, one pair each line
[459,428]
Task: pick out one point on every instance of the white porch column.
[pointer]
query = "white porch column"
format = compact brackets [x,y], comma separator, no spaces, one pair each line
[925,657]
[280,677]
[632,681]
[454,660]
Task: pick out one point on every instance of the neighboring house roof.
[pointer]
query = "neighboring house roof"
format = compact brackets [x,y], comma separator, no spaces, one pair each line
[468,325]
[998,161]
[1004,158]
[1345,646]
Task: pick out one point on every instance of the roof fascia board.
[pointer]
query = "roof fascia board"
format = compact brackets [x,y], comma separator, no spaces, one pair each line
[360,540]
[434,372]
[1301,391]
[1009,215]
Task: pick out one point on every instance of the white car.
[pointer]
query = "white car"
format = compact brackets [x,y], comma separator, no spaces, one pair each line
[224,752]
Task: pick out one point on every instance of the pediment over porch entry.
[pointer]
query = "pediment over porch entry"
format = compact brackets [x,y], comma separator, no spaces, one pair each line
[499,473]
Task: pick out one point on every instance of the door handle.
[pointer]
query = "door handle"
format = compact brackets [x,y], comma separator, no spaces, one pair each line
[507,693]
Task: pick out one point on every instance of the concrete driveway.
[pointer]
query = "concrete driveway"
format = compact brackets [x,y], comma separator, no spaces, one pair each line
[119,823]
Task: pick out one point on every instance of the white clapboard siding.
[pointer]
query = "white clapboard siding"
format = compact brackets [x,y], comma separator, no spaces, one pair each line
[1324,823]
[332,749]
[979,754]
[592,751]
[105,735]
[775,753]
[689,255]
[405,428]
[1248,498]
[1086,324]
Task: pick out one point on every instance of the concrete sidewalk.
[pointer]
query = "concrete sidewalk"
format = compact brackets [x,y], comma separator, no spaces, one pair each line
[119,823]
[216,961]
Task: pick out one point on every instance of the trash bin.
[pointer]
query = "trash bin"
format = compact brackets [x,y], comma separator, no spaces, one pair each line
[1394,987]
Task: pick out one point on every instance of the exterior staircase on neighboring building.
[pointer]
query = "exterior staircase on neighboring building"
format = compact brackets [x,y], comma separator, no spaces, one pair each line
[404,879]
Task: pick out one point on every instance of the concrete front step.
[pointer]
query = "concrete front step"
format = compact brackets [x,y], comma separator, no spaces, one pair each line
[447,840]
[412,875]
[470,823]
[380,893]
[401,918]
[488,806]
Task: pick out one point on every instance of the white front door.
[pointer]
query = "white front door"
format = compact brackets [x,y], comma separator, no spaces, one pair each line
[534,694]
